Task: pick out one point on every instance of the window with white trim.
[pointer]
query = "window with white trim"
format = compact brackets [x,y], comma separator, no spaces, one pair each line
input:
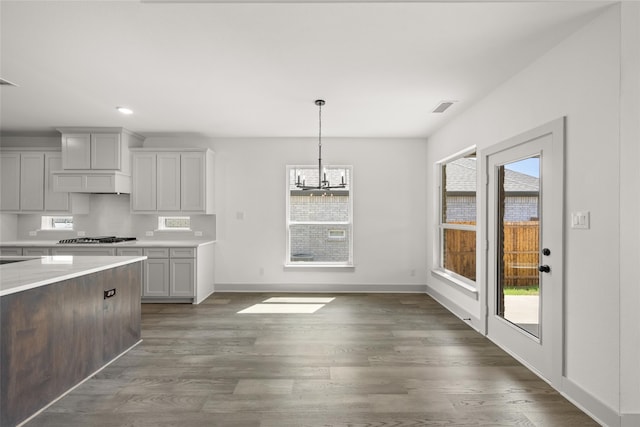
[56,222]
[176,223]
[457,216]
[319,222]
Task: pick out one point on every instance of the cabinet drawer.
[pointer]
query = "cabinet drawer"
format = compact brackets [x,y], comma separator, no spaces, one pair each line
[129,251]
[157,252]
[183,252]
[84,251]
[11,251]
[35,251]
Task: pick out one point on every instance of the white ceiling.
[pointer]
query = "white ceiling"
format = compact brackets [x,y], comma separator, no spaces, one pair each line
[254,69]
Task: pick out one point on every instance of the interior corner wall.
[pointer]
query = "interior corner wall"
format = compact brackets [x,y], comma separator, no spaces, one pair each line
[629,214]
[580,79]
[388,212]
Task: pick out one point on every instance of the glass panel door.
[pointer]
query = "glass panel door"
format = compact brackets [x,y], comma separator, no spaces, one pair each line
[518,243]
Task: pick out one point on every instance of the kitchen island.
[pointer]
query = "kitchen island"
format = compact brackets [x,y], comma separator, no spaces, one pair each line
[63,318]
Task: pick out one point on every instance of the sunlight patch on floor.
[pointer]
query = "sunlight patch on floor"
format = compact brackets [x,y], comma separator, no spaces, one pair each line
[282,309]
[304,300]
[288,305]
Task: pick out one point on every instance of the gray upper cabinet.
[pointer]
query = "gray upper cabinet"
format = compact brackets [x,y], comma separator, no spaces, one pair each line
[77,151]
[22,186]
[92,151]
[9,181]
[96,160]
[98,148]
[32,182]
[172,182]
[27,184]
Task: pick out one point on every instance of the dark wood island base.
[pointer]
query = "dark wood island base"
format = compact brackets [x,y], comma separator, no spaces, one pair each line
[55,336]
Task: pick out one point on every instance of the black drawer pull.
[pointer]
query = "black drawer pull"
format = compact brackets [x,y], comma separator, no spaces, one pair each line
[109,293]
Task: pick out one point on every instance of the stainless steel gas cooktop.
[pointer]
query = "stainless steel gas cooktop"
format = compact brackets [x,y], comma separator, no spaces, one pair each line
[101,239]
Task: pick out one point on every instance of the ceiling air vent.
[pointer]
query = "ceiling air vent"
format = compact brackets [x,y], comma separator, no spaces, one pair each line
[4,82]
[442,107]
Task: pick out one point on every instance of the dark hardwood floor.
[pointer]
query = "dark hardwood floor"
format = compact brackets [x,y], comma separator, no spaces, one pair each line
[361,360]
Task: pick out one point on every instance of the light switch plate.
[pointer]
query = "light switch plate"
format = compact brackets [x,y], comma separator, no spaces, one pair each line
[581,220]
[198,233]
[33,233]
[148,233]
[81,234]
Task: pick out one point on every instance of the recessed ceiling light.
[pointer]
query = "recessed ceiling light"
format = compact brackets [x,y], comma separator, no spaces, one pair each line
[124,110]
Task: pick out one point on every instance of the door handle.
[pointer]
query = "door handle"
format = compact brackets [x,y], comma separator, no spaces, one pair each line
[544,269]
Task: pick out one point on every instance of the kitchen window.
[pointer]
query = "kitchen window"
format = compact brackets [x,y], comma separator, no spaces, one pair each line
[319,222]
[175,223]
[457,212]
[56,223]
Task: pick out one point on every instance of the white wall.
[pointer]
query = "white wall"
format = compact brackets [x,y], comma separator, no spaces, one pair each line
[579,79]
[389,206]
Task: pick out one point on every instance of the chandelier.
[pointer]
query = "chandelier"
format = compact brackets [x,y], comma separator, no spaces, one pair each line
[323,182]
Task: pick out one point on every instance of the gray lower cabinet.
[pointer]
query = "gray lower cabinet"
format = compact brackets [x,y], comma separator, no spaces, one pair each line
[182,273]
[169,273]
[156,278]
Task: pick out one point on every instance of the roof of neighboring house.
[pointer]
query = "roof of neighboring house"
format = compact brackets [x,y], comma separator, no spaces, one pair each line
[461,177]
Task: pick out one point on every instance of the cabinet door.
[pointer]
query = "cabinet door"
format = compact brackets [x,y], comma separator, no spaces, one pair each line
[183,274]
[53,201]
[143,191]
[76,151]
[9,181]
[32,182]
[192,182]
[105,151]
[168,176]
[156,278]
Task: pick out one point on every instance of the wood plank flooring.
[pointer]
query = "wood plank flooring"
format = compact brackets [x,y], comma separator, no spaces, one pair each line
[362,360]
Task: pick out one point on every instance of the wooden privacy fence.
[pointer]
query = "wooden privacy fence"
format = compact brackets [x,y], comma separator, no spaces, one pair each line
[520,254]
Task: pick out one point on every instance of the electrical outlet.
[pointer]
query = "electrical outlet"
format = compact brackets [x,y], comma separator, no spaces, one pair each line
[33,233]
[148,233]
[81,234]
[198,233]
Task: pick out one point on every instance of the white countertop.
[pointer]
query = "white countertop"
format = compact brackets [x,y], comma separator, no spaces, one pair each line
[134,243]
[40,271]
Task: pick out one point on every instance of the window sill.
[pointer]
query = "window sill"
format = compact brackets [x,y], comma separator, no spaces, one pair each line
[319,267]
[459,284]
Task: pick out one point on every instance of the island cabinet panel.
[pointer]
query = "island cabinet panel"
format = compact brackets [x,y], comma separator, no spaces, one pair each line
[121,310]
[55,336]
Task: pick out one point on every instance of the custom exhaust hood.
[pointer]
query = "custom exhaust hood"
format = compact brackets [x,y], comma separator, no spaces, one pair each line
[95,160]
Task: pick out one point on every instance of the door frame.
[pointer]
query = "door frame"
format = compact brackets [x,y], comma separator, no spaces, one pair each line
[556,212]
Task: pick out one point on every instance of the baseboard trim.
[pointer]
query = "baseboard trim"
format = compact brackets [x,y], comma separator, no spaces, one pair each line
[592,406]
[320,288]
[454,308]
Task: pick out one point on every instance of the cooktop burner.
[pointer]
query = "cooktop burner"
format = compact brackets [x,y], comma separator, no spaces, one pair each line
[101,239]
